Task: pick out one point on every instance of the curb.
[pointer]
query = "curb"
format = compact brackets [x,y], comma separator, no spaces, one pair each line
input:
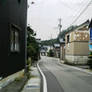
[80,69]
[33,84]
[4,82]
[44,79]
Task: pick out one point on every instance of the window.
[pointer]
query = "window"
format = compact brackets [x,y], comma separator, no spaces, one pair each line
[14,39]
[19,1]
[68,38]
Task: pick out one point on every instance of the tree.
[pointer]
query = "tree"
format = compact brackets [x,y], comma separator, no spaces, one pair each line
[51,53]
[32,45]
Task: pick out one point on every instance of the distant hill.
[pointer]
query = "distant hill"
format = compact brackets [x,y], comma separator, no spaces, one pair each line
[49,42]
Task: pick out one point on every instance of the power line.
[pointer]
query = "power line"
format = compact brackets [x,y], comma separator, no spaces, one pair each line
[77,11]
[68,6]
[90,2]
[82,12]
[65,5]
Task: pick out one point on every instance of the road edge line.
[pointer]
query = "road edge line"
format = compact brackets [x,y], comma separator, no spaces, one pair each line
[44,79]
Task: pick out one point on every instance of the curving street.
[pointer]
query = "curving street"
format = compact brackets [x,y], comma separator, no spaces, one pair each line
[61,78]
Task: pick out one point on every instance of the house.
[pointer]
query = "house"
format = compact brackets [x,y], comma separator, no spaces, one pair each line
[76,44]
[90,46]
[49,47]
[13,19]
[90,38]
[62,48]
[57,50]
[45,49]
[61,39]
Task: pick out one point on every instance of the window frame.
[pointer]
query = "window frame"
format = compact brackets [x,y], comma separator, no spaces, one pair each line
[13,29]
[19,1]
[68,38]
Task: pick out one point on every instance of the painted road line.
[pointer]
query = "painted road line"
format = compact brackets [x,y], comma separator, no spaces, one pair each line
[44,79]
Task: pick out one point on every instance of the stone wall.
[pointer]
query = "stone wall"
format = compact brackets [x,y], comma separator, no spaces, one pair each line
[76,59]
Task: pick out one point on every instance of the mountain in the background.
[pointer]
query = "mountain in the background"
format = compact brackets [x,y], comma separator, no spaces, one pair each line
[49,42]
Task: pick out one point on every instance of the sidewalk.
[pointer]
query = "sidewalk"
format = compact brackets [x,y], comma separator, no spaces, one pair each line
[13,83]
[33,84]
[4,82]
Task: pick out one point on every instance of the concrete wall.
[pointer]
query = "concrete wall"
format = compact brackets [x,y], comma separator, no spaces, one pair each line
[78,36]
[62,51]
[76,50]
[69,48]
[76,59]
[81,48]
[57,52]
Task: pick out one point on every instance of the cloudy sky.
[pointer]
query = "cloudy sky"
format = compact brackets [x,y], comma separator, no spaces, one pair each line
[43,15]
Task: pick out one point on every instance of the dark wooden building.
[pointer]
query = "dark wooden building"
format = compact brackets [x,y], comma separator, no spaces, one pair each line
[13,16]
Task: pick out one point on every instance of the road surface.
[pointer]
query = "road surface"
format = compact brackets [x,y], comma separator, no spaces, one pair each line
[61,78]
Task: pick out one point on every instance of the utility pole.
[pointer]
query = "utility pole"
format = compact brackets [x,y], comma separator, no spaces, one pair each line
[51,41]
[59,25]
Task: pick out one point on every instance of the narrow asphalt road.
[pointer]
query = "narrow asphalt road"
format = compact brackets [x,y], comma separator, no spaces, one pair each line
[61,78]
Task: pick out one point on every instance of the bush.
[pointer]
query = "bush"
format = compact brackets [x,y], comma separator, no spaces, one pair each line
[32,45]
[50,53]
[90,60]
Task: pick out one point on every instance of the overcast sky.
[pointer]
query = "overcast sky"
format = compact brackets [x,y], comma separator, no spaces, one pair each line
[43,15]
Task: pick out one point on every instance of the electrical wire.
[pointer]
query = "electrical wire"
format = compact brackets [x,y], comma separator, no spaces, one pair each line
[76,11]
[64,4]
[69,6]
[82,12]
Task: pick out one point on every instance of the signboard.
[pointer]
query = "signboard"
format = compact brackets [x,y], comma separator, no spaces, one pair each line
[90,46]
[90,42]
[90,34]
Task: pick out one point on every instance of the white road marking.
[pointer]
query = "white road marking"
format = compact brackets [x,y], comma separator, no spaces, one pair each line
[44,79]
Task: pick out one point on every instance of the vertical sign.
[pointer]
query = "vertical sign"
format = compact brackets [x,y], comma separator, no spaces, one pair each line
[90,42]
[91,34]
[90,46]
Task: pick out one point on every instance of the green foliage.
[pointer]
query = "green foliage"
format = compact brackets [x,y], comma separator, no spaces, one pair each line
[49,42]
[32,45]
[51,53]
[90,60]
